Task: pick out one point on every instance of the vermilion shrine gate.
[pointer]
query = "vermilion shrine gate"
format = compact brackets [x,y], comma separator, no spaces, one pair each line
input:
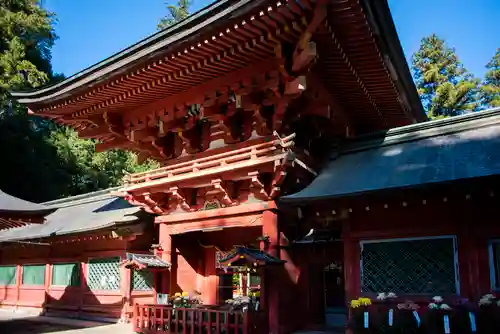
[244,104]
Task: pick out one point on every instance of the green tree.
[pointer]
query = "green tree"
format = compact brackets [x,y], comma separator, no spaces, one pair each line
[445,87]
[26,37]
[175,14]
[89,170]
[40,159]
[490,90]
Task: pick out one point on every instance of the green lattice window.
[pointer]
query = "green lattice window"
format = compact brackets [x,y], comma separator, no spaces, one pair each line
[410,266]
[104,274]
[66,274]
[33,274]
[8,275]
[142,280]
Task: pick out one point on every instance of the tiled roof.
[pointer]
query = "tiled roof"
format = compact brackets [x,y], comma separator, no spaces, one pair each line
[245,254]
[19,207]
[145,261]
[78,214]
[457,148]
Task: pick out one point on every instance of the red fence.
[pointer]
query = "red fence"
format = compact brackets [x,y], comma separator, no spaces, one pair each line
[160,319]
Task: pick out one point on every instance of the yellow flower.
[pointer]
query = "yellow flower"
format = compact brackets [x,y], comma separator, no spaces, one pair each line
[177,294]
[364,301]
[185,294]
[355,303]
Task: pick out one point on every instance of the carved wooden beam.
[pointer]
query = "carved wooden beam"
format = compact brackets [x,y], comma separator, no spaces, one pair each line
[305,51]
[114,123]
[93,133]
[180,199]
[257,187]
[141,202]
[147,134]
[222,193]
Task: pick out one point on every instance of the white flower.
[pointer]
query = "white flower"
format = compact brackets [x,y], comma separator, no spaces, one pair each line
[437,299]
[381,296]
[488,296]
[484,301]
[392,295]
[433,306]
[445,307]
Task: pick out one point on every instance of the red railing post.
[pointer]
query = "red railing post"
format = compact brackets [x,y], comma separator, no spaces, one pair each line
[134,316]
[245,322]
[167,320]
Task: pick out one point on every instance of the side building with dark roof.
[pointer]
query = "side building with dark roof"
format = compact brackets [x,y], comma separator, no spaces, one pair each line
[73,263]
[412,211]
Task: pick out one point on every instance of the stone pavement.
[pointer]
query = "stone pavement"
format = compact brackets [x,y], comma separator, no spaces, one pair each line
[19,323]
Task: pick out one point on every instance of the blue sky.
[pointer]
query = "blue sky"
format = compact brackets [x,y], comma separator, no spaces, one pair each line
[91,30]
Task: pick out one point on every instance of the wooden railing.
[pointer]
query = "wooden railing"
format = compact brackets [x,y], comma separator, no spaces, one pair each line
[165,319]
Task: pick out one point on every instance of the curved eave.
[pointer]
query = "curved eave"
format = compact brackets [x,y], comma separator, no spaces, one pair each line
[206,19]
[382,25]
[11,206]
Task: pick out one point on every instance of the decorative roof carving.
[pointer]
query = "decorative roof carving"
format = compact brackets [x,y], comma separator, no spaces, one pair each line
[144,261]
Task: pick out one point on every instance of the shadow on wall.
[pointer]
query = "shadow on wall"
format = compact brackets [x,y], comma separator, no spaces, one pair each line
[76,300]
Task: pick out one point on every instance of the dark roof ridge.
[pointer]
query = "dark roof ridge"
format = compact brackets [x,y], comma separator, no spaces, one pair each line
[146,48]
[89,197]
[424,130]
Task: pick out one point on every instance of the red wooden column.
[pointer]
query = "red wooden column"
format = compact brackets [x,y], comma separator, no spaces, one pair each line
[351,262]
[210,279]
[272,289]
[168,254]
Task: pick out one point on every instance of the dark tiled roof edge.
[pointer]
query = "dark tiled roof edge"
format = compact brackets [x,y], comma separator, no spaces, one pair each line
[424,130]
[83,198]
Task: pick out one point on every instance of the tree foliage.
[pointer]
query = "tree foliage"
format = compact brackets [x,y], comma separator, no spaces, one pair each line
[40,159]
[445,87]
[175,14]
[490,90]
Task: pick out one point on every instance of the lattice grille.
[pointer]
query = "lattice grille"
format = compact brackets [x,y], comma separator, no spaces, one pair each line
[104,274]
[142,280]
[410,266]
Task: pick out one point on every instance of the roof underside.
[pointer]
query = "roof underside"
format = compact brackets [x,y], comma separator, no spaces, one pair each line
[360,61]
[81,214]
[435,152]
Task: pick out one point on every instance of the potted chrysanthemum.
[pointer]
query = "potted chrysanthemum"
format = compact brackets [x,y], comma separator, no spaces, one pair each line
[241,303]
[488,315]
[386,315]
[463,318]
[437,317]
[184,300]
[361,317]
[407,319]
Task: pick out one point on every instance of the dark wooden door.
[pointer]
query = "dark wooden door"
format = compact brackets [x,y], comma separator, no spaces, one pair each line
[335,305]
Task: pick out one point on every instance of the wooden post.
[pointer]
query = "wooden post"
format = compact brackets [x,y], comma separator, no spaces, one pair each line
[169,254]
[272,290]
[210,286]
[349,262]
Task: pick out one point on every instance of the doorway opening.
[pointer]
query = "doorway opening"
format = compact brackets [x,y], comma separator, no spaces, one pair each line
[334,295]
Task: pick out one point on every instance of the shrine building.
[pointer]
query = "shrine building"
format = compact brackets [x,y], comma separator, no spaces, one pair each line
[292,144]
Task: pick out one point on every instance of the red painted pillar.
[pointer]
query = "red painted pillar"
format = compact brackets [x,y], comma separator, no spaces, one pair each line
[168,254]
[351,263]
[210,279]
[272,289]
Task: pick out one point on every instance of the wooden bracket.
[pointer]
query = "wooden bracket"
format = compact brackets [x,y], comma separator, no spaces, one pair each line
[257,187]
